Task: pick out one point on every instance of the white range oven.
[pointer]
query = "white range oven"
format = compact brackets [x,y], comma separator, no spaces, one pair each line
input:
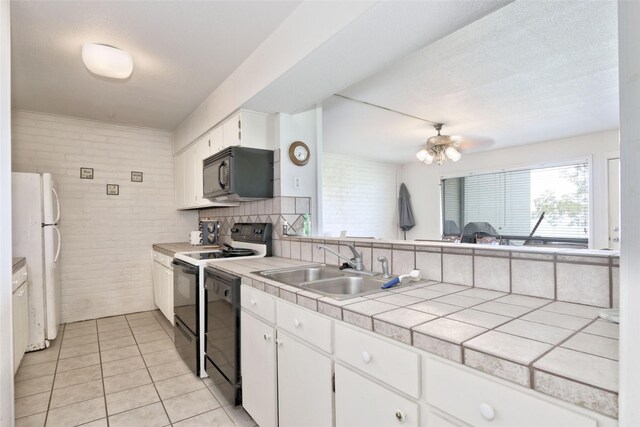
[207,304]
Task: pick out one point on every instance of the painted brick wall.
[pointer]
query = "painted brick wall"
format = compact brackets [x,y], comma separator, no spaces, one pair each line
[359,196]
[106,240]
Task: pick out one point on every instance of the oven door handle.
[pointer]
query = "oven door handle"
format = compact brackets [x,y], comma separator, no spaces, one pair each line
[185,269]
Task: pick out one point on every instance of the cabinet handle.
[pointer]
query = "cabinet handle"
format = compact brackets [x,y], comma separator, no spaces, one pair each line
[253,302]
[267,337]
[278,342]
[400,416]
[296,323]
[366,357]
[487,411]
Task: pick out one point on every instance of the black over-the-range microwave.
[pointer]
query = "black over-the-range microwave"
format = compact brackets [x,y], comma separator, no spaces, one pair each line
[237,174]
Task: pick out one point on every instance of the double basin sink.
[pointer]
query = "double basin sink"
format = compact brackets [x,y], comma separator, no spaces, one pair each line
[326,280]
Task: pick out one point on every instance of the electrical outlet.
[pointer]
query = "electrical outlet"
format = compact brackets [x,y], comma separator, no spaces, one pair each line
[297,182]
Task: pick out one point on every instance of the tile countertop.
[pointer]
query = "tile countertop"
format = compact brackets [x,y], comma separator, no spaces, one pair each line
[557,348]
[170,249]
[18,263]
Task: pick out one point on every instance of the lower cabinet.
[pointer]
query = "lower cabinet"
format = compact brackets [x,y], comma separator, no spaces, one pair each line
[305,394]
[162,275]
[20,303]
[284,382]
[361,402]
[258,367]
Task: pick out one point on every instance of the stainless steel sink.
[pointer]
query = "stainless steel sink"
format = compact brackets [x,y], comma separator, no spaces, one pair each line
[325,280]
[344,287]
[296,276]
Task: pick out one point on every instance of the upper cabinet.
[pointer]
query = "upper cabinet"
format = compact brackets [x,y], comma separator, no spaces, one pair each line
[246,128]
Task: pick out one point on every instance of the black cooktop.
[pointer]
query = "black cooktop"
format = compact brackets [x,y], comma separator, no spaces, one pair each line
[225,253]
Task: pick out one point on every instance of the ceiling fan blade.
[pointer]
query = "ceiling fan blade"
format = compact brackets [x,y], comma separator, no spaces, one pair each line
[473,143]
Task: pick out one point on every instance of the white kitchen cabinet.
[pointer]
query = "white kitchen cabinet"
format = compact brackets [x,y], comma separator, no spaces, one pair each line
[259,375]
[20,302]
[361,402]
[430,417]
[179,167]
[217,140]
[305,395]
[201,152]
[162,275]
[231,130]
[189,176]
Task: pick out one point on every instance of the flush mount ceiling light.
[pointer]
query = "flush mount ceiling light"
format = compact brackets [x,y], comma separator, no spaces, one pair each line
[439,148]
[107,61]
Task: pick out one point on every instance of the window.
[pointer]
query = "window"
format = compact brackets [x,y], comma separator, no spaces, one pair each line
[511,203]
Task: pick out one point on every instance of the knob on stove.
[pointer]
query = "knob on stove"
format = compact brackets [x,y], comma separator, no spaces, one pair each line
[210,228]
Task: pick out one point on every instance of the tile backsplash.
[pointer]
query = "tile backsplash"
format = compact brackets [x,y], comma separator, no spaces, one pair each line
[584,279]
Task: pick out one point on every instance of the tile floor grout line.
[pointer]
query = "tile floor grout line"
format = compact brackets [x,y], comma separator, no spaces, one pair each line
[104,389]
[147,368]
[55,373]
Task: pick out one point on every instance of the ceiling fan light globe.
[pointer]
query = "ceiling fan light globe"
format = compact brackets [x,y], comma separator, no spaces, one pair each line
[452,154]
[107,61]
[422,154]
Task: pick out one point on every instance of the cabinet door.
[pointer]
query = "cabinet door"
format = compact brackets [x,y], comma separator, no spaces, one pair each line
[217,140]
[179,172]
[167,293]
[361,402]
[20,303]
[157,279]
[189,177]
[258,367]
[305,395]
[231,131]
[201,153]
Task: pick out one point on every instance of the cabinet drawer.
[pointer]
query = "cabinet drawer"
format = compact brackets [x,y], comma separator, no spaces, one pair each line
[360,402]
[305,324]
[396,366]
[258,303]
[482,402]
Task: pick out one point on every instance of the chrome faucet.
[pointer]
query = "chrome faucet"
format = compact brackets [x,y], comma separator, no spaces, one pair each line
[356,262]
[385,266]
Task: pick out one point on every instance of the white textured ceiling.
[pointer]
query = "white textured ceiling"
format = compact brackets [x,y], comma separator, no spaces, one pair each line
[531,71]
[182,50]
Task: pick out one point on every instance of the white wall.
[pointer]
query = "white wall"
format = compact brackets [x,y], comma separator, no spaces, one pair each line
[6,328]
[359,196]
[423,181]
[106,240]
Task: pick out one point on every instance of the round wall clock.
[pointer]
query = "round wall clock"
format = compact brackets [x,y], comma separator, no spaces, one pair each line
[299,153]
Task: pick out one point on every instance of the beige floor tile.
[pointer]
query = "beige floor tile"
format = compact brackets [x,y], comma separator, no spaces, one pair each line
[153,336]
[146,329]
[121,366]
[81,332]
[78,325]
[33,386]
[131,399]
[117,333]
[77,413]
[144,321]
[38,357]
[76,393]
[160,357]
[78,350]
[217,417]
[176,386]
[36,420]
[147,416]
[126,381]
[190,404]
[117,343]
[168,370]
[102,422]
[119,353]
[77,376]
[153,346]
[35,371]
[140,315]
[78,362]
[113,326]
[72,342]
[239,416]
[110,320]
[221,392]
[30,405]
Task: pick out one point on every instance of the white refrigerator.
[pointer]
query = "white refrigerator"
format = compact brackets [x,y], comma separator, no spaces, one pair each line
[35,216]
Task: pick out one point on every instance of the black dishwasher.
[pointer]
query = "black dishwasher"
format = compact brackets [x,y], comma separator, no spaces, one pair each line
[222,330]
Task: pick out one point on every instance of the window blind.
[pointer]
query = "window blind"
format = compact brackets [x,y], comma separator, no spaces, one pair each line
[511,202]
